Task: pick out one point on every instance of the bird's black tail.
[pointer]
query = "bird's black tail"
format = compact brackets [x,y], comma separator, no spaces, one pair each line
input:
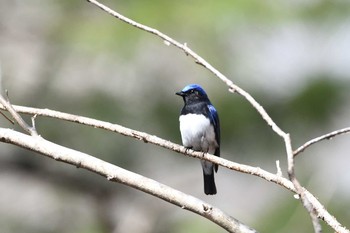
[209,184]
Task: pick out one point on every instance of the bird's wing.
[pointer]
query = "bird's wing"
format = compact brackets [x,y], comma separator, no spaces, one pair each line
[214,118]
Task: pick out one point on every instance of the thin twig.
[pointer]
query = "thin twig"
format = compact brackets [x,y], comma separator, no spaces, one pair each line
[6,117]
[279,171]
[8,106]
[11,121]
[321,138]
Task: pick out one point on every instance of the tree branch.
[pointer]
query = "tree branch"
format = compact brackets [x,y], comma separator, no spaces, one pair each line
[328,136]
[120,175]
[308,205]
[300,190]
[256,171]
[145,137]
[7,106]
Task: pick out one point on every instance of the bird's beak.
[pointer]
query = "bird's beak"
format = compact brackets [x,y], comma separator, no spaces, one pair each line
[180,93]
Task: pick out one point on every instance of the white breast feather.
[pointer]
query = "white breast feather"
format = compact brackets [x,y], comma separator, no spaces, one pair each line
[196,132]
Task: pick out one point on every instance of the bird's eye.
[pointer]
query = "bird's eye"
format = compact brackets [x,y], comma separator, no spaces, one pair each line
[197,93]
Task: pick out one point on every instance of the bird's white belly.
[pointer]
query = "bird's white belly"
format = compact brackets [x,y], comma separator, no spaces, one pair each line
[197,133]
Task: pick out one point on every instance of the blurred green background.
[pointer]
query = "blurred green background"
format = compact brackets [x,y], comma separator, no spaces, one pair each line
[292,56]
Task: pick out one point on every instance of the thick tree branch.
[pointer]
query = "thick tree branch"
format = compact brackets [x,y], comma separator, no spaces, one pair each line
[256,171]
[300,190]
[120,175]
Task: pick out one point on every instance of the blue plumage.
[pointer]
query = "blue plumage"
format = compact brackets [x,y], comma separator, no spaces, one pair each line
[200,129]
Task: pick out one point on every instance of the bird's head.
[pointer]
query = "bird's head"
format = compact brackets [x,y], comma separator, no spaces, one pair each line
[192,93]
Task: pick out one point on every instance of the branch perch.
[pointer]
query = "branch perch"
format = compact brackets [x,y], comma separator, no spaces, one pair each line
[120,175]
[256,171]
[156,141]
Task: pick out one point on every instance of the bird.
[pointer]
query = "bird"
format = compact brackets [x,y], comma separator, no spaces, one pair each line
[200,129]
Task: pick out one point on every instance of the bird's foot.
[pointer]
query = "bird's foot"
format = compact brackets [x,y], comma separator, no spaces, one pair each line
[188,148]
